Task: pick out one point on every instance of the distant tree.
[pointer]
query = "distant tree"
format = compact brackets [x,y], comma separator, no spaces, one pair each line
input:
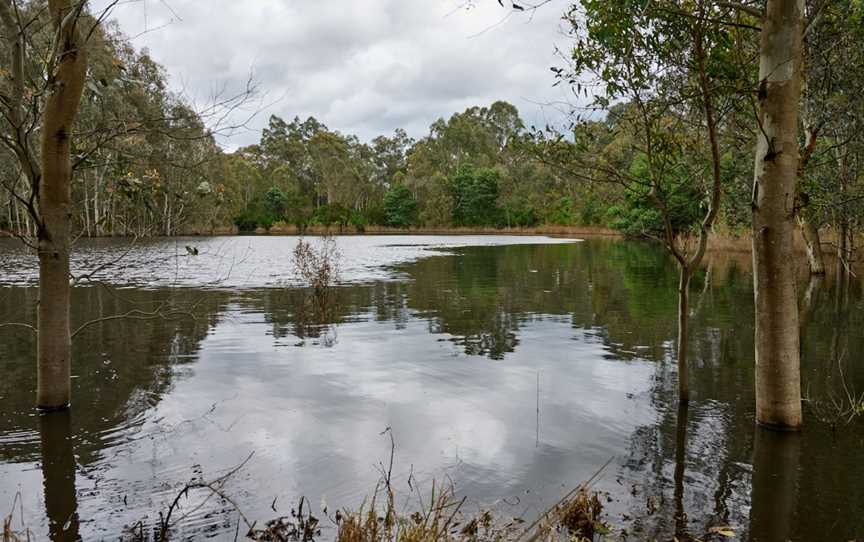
[475,197]
[276,202]
[400,207]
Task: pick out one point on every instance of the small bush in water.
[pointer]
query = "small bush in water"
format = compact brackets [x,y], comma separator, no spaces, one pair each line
[318,265]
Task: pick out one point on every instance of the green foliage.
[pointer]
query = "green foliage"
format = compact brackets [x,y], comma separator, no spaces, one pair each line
[400,207]
[276,202]
[562,212]
[246,221]
[475,196]
[334,214]
[639,215]
[520,216]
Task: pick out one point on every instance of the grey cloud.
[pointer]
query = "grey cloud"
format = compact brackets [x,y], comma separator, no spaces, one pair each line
[363,66]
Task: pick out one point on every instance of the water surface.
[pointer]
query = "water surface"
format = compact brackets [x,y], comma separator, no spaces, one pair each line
[515,366]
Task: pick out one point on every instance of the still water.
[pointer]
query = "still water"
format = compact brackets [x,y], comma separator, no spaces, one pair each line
[514,366]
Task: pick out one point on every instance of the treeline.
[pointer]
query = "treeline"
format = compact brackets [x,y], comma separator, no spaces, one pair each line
[480,167]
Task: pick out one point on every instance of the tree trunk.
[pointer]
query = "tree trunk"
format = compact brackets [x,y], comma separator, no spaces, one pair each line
[86,208]
[683,310]
[813,244]
[66,85]
[843,252]
[778,380]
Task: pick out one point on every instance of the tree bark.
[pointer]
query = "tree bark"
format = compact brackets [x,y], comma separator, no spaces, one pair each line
[687,265]
[65,87]
[778,380]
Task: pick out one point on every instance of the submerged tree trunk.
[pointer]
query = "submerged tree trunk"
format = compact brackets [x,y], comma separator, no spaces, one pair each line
[683,313]
[813,245]
[778,381]
[66,85]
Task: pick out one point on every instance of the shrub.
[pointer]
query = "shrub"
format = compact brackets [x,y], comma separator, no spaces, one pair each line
[246,221]
[318,266]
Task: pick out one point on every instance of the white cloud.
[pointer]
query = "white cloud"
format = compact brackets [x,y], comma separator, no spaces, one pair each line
[362,66]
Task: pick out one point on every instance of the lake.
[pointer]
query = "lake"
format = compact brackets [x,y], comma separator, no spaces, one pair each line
[515,367]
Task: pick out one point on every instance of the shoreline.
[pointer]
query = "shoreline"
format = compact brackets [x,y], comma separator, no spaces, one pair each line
[722,241]
[275,231]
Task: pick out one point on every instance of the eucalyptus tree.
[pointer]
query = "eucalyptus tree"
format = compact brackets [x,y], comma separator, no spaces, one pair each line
[670,63]
[831,119]
[777,341]
[479,137]
[90,126]
[47,110]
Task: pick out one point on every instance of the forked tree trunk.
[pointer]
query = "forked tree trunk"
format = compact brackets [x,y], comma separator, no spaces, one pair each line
[54,354]
[778,380]
[813,246]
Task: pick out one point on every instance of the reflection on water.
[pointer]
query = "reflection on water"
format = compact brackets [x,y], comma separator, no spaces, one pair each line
[58,472]
[776,463]
[517,370]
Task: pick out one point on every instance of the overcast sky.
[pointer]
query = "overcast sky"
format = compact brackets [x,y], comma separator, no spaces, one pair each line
[364,67]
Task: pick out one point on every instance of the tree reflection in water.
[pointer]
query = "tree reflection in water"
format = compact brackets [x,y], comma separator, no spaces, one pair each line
[58,475]
[685,471]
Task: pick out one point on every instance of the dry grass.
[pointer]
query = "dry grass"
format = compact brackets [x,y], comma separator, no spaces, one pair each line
[442,518]
[439,520]
[580,516]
